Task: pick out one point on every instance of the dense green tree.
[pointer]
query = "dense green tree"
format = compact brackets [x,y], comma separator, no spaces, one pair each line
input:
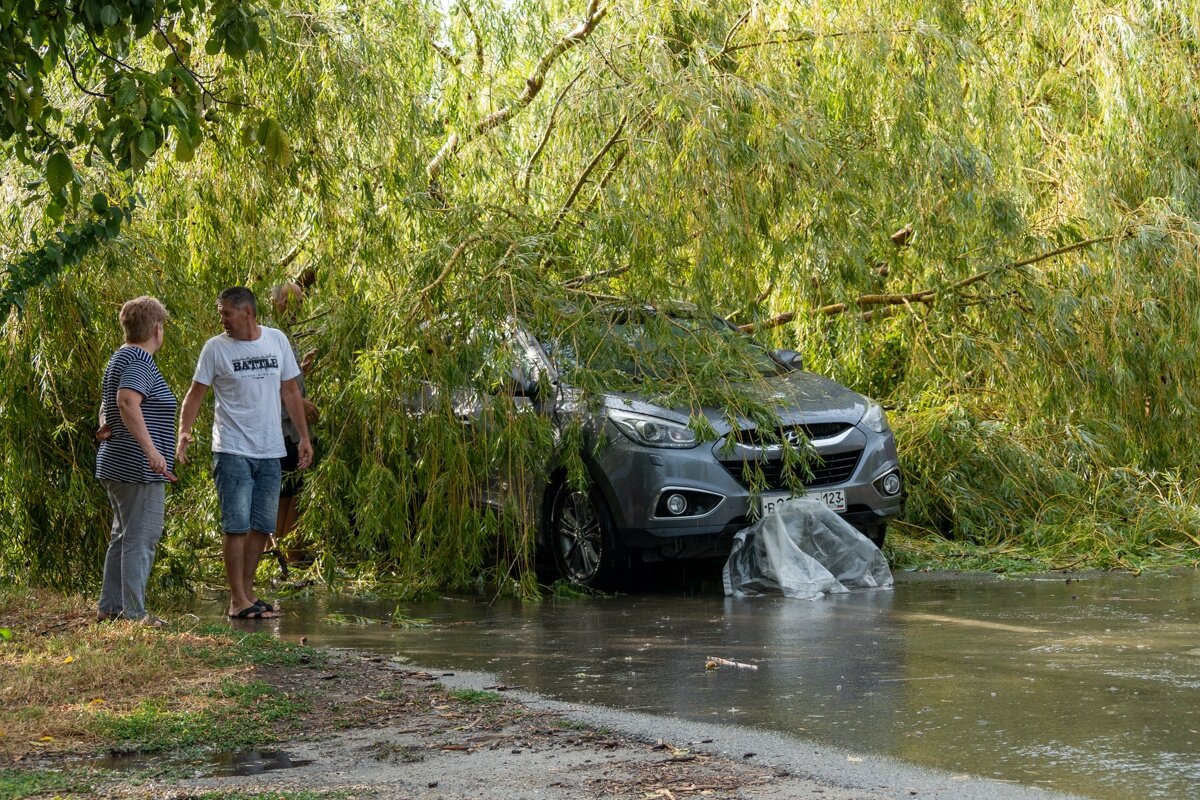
[983,214]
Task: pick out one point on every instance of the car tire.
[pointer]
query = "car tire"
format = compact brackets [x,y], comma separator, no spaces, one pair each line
[581,538]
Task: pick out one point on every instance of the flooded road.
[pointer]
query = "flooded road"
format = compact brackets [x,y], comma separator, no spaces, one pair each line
[1087,686]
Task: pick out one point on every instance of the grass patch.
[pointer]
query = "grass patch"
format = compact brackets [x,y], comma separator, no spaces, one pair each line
[71,685]
[241,715]
[218,645]
[16,784]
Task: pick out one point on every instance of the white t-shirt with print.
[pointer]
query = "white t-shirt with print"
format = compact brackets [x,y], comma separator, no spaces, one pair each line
[245,377]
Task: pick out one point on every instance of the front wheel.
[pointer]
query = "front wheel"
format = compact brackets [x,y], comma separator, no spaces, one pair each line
[586,550]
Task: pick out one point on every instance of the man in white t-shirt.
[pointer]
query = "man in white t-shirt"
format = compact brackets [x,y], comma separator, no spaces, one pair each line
[252,371]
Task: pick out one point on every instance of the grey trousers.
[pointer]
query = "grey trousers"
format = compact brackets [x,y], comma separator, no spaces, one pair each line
[136,528]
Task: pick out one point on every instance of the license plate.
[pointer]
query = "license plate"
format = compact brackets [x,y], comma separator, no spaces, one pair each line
[834,500]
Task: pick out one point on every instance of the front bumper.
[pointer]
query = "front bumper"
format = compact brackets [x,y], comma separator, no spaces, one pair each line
[635,481]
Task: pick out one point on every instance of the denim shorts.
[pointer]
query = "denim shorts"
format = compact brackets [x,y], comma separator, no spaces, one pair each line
[248,492]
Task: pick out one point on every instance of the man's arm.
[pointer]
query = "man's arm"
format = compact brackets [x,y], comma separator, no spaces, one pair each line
[187,418]
[289,391]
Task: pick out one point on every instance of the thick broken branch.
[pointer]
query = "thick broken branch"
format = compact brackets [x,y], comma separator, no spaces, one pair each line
[533,85]
[900,301]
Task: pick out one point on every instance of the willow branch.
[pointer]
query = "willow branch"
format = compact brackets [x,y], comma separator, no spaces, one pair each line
[445,52]
[580,280]
[533,85]
[977,277]
[617,161]
[579,184]
[291,254]
[733,32]
[899,302]
[809,36]
[474,32]
[454,257]
[527,170]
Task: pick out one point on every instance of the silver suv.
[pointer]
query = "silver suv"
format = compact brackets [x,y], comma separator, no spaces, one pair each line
[669,484]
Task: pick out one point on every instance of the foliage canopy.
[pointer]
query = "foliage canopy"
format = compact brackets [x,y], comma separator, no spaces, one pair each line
[984,215]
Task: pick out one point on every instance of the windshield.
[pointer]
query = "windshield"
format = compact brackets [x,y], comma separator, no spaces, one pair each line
[650,345]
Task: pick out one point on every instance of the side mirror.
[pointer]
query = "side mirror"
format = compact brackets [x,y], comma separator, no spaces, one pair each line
[790,358]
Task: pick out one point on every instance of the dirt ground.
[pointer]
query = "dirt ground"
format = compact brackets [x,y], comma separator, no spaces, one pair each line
[377,728]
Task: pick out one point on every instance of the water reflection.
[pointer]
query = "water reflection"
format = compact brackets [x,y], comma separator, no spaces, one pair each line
[1087,686]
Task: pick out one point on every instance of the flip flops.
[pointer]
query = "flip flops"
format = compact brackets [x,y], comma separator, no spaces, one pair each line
[254,612]
[268,605]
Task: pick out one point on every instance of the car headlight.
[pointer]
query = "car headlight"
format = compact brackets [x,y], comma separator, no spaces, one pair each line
[652,431]
[875,419]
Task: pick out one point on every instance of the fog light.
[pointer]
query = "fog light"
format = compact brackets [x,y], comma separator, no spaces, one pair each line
[677,504]
[891,484]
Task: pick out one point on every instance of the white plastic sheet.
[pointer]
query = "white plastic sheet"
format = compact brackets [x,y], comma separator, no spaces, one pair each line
[803,550]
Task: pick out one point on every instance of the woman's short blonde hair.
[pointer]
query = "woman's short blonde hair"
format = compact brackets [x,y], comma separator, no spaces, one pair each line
[140,316]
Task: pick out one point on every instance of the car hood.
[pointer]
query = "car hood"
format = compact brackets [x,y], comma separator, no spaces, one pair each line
[800,398]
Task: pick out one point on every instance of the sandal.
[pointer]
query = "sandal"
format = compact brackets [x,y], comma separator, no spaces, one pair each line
[268,605]
[151,621]
[253,612]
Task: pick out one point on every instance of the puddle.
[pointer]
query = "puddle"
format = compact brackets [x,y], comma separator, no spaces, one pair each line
[1086,686]
[214,765]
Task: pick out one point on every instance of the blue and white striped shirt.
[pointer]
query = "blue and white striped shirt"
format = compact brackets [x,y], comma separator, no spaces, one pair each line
[120,457]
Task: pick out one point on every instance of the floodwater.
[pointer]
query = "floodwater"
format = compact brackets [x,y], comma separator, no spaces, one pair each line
[1088,685]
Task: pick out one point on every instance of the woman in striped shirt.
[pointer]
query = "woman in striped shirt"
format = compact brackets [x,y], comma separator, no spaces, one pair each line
[135,459]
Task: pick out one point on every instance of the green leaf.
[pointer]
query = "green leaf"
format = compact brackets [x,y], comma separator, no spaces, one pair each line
[279,146]
[59,171]
[213,45]
[127,92]
[99,202]
[109,16]
[6,634]
[183,150]
[147,143]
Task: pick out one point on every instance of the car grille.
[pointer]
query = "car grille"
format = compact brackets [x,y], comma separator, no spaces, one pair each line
[834,468]
[818,430]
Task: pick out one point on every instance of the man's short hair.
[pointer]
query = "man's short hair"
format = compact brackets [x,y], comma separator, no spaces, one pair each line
[140,316]
[238,297]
